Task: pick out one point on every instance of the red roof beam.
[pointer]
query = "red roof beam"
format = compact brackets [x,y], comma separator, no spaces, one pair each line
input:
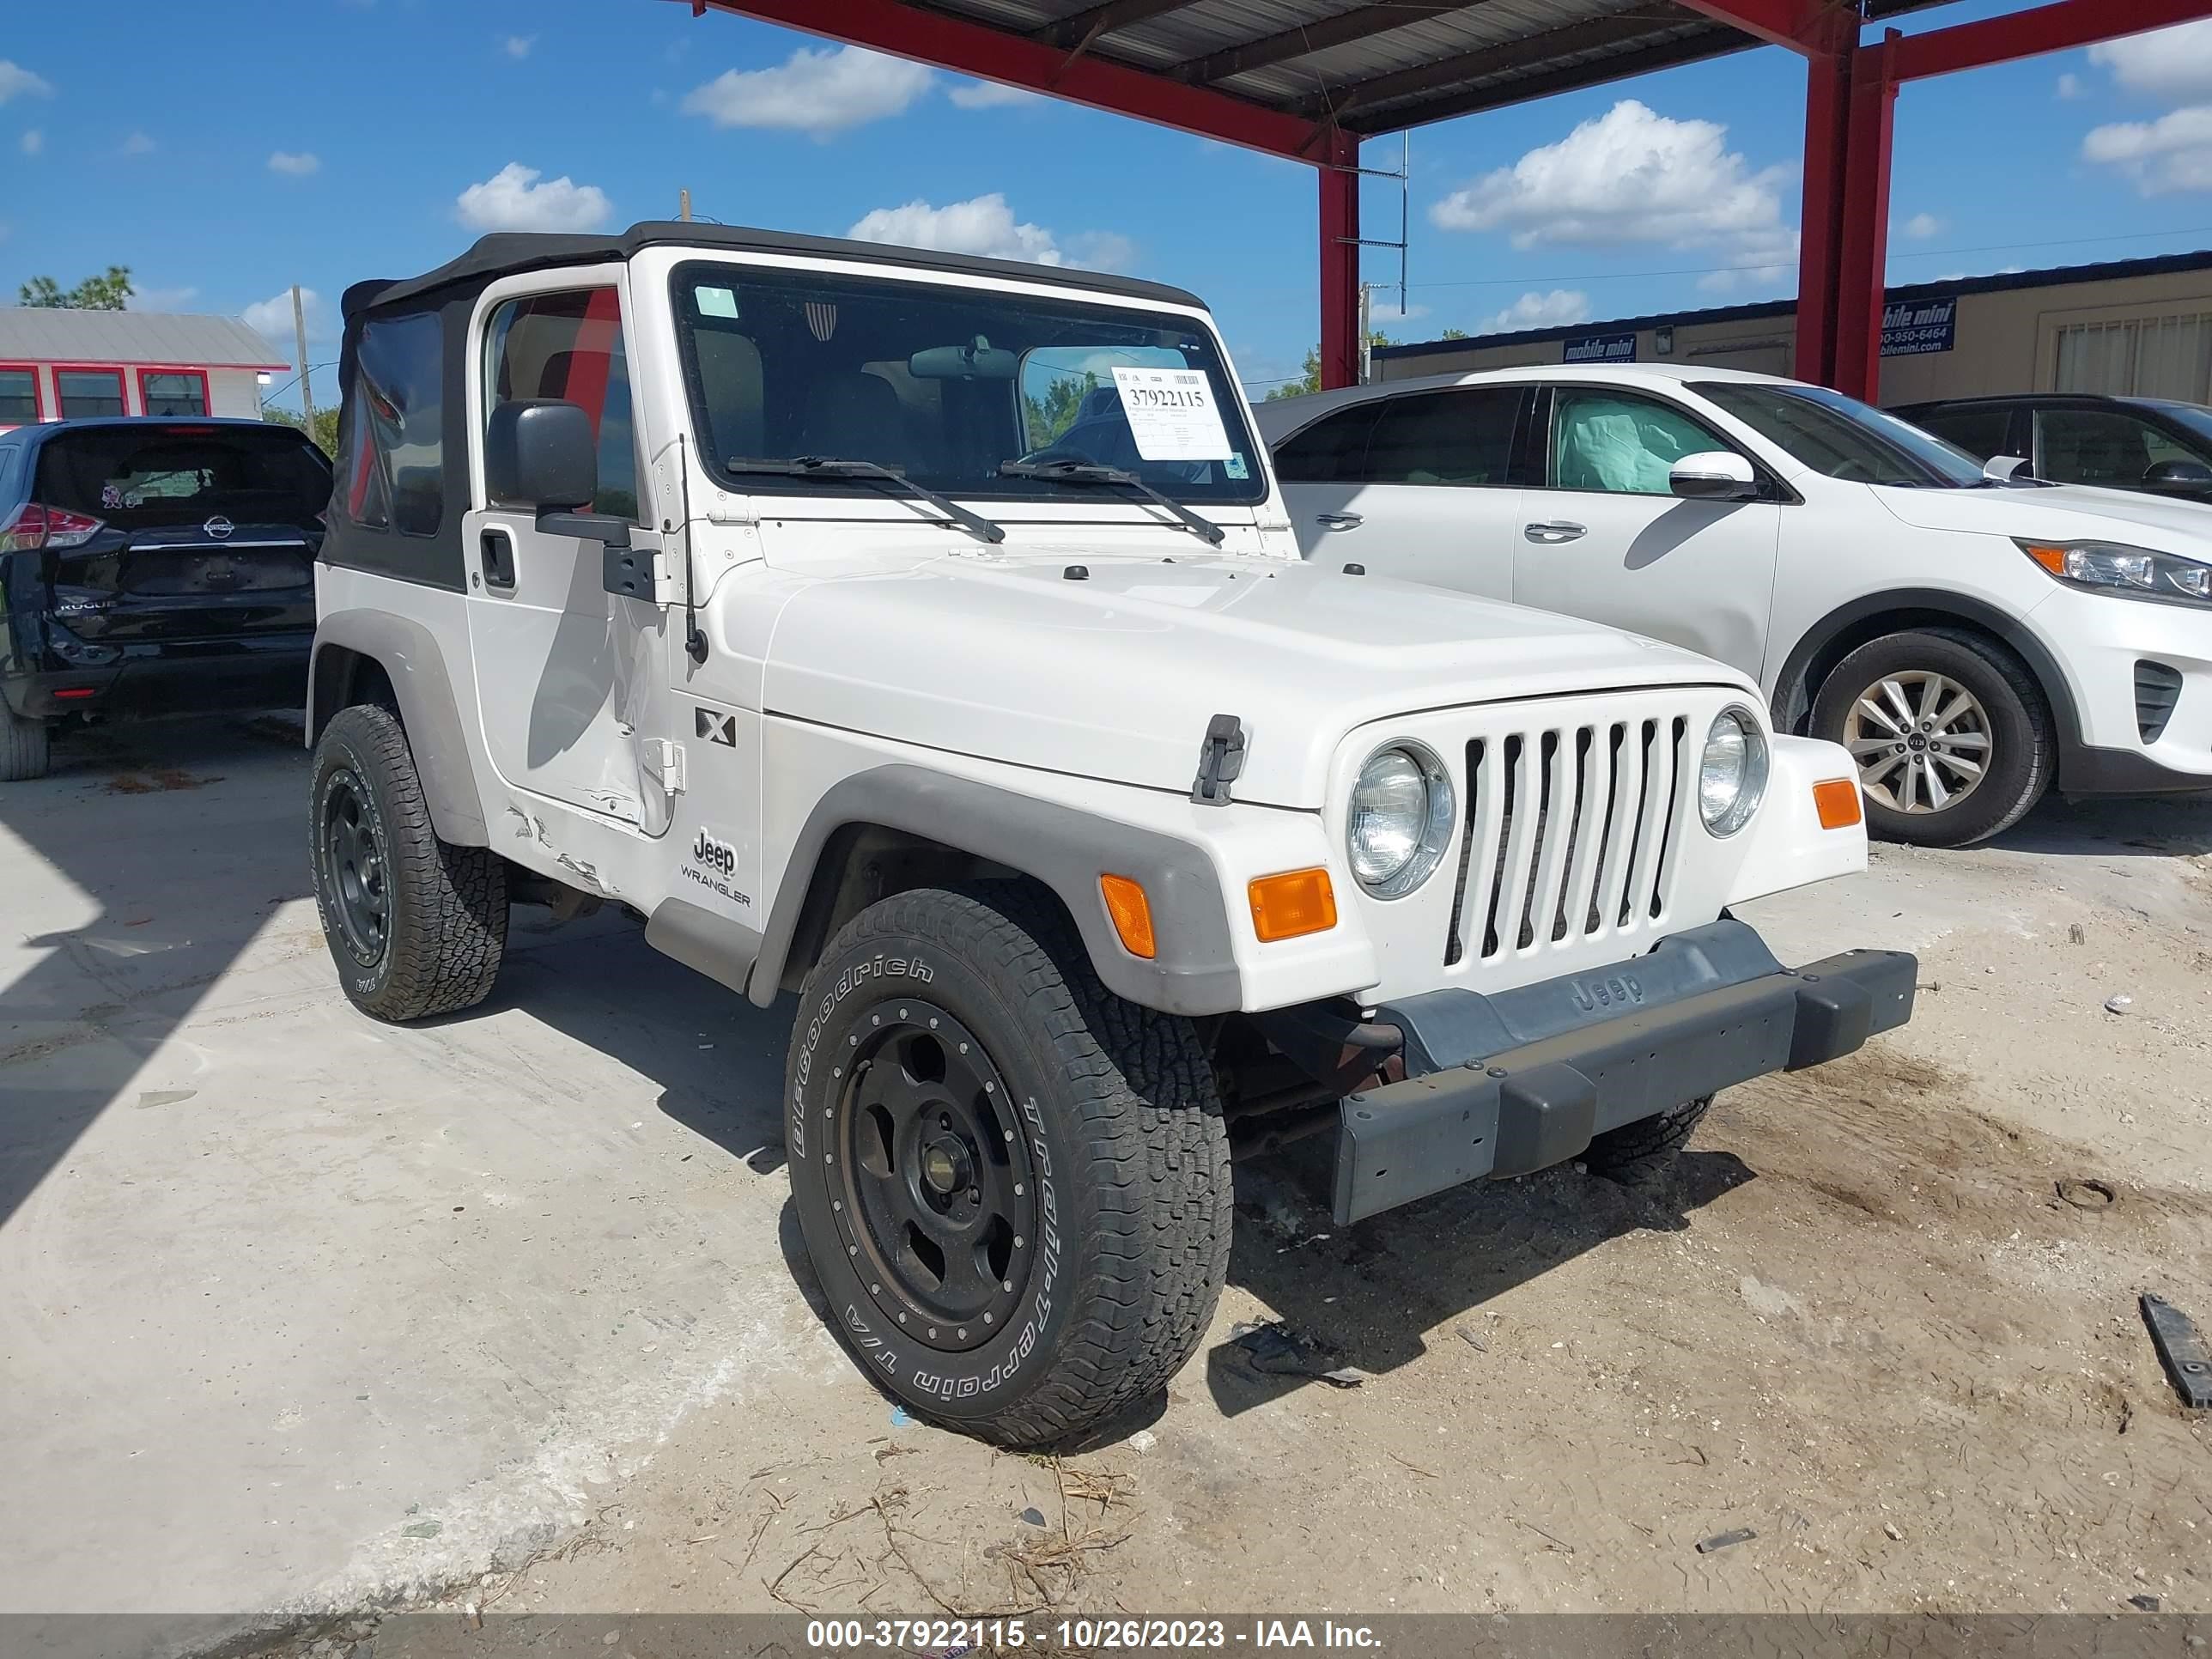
[951,43]
[2057,27]
[1811,27]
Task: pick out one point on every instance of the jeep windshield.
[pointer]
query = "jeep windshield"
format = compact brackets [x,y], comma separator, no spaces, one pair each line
[945,385]
[1841,437]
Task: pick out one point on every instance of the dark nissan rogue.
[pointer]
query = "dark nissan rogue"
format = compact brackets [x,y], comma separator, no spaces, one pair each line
[152,567]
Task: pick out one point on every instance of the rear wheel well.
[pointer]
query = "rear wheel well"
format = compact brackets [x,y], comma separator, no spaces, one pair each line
[1794,693]
[345,677]
[862,862]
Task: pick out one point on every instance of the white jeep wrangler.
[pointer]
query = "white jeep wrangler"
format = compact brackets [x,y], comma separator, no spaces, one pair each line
[924,634]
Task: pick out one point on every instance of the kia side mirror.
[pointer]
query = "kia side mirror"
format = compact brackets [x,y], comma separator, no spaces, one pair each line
[1713,474]
[540,454]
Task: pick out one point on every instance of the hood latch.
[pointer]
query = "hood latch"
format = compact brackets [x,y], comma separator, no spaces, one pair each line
[1220,760]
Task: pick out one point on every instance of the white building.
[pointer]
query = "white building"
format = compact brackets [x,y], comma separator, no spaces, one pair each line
[57,364]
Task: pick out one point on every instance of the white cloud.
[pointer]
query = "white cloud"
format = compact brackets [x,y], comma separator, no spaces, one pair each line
[32,142]
[518,45]
[2172,153]
[1632,175]
[2175,63]
[138,144]
[820,92]
[1100,250]
[1390,313]
[2069,85]
[161,299]
[271,318]
[990,94]
[513,199]
[298,164]
[1920,227]
[1556,309]
[18,81]
[984,225]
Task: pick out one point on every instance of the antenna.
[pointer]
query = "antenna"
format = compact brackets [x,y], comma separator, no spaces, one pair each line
[1404,175]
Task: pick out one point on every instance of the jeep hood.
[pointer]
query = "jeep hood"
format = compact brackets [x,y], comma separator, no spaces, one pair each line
[2058,513]
[1114,676]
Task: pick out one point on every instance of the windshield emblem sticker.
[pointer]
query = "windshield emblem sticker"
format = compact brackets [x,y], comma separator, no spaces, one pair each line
[1171,414]
[717,728]
[820,319]
[1234,468]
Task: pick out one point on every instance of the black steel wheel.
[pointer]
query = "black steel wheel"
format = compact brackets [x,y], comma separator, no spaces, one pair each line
[1013,1185]
[940,1202]
[415,925]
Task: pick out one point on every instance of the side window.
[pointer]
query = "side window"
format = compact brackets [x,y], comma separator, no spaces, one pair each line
[2098,446]
[392,457]
[1619,443]
[1462,438]
[19,396]
[1332,450]
[173,392]
[1981,432]
[570,345]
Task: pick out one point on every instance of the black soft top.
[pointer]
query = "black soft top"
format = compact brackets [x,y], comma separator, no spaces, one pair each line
[504,254]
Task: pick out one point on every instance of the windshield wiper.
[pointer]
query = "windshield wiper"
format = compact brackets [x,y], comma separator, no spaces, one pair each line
[828,466]
[1092,473]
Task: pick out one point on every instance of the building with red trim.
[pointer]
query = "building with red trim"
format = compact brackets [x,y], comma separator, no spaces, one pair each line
[56,363]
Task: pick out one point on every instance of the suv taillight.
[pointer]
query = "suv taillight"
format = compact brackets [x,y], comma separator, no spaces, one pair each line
[36,526]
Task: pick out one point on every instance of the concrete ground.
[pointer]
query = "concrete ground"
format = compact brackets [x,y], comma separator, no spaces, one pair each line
[301,1315]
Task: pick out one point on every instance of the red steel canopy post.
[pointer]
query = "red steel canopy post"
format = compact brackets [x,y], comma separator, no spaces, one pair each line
[1862,252]
[1340,263]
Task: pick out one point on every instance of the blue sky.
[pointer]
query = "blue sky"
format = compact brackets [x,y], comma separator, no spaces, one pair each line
[323,141]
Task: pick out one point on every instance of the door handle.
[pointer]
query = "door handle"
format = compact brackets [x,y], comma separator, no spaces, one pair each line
[1557,531]
[1339,520]
[496,549]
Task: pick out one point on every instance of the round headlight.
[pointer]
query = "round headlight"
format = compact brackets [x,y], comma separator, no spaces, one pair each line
[1732,776]
[1400,820]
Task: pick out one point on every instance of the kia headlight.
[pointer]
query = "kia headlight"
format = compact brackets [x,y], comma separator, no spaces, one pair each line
[2115,568]
[1732,772]
[1401,821]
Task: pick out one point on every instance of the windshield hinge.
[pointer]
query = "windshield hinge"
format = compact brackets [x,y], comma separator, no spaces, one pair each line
[1220,760]
[664,760]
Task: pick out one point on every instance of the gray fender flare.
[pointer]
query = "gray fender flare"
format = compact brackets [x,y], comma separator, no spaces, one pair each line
[1193,971]
[411,661]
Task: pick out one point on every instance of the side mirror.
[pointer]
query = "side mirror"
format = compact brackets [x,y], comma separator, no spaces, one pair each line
[1713,474]
[539,453]
[2004,468]
[2178,475]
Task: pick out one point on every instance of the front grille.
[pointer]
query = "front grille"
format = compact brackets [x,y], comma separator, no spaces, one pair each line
[2158,688]
[1570,833]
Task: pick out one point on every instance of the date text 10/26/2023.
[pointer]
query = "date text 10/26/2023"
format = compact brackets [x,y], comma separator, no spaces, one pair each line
[955,1637]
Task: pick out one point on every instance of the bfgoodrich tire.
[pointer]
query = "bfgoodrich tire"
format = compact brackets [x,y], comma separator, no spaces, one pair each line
[1950,732]
[415,926]
[26,747]
[1013,1185]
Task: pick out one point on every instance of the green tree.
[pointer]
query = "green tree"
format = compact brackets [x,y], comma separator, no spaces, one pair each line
[107,292]
[326,435]
[1457,334]
[1050,415]
[1311,379]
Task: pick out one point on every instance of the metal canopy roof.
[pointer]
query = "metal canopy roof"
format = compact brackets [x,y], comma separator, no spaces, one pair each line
[1366,68]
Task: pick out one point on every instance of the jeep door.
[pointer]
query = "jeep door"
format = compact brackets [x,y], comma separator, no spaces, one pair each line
[1420,486]
[1605,537]
[570,679]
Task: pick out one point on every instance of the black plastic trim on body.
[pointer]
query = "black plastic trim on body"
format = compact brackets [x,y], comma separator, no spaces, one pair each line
[2158,688]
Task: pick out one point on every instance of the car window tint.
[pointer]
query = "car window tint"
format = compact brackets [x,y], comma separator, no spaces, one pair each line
[146,474]
[1443,438]
[1622,444]
[1981,432]
[392,444]
[570,345]
[1332,450]
[2099,446]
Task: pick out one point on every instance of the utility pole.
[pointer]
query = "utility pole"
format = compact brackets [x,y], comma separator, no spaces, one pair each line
[1366,329]
[683,205]
[300,343]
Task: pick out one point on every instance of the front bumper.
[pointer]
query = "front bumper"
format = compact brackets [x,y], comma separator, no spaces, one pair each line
[1504,1084]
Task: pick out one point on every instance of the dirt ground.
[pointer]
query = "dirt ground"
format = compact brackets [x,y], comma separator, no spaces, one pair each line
[1879,1317]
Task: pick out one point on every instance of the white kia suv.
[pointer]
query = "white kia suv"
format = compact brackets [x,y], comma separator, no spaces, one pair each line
[1971,637]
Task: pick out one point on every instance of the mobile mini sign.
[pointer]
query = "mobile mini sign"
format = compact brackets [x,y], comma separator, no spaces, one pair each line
[1600,348]
[1913,328]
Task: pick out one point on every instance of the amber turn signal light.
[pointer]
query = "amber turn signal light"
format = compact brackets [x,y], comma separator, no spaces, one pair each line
[1836,800]
[1130,913]
[1292,904]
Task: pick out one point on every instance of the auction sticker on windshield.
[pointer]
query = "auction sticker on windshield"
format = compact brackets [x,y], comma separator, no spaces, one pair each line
[1172,414]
